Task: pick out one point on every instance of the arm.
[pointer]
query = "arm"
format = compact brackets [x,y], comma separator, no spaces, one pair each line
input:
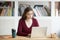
[20,33]
[36,22]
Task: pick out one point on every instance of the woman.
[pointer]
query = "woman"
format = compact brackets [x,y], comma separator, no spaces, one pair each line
[26,22]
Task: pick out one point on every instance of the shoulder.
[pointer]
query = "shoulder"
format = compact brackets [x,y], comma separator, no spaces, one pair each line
[35,22]
[21,20]
[34,19]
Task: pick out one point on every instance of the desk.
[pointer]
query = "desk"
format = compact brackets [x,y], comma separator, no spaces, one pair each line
[25,38]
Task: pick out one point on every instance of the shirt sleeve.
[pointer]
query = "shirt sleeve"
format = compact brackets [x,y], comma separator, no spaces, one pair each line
[19,32]
[36,22]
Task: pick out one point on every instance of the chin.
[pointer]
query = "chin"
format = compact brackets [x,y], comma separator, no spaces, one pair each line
[29,18]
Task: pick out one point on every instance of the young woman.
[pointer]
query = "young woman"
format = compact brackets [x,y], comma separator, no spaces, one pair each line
[26,22]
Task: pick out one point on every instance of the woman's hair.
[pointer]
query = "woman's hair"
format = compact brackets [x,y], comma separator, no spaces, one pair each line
[25,12]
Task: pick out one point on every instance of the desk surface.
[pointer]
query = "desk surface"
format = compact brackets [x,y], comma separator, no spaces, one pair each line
[25,38]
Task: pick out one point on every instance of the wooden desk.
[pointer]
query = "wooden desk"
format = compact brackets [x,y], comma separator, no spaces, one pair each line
[25,38]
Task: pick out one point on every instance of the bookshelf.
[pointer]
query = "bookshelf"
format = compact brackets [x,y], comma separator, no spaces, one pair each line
[44,8]
[6,8]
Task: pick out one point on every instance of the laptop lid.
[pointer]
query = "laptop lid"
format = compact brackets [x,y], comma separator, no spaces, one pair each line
[38,32]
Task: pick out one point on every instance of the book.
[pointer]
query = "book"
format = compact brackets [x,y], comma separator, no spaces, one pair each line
[9,12]
[35,12]
[40,10]
[5,3]
[6,12]
[3,12]
[0,11]
[12,11]
[6,8]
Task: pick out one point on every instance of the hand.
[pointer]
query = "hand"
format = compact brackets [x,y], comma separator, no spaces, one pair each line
[29,35]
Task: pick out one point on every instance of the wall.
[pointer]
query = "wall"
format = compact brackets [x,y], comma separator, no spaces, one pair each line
[56,25]
[53,24]
[6,24]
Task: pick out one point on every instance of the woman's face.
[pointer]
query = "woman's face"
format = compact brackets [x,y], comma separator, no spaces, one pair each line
[29,14]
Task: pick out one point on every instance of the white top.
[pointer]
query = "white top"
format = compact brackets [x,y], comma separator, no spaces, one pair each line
[28,22]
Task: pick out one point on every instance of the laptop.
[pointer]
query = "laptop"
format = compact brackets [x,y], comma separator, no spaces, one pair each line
[39,32]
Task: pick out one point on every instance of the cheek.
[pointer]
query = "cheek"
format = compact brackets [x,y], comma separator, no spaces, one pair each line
[27,16]
[30,16]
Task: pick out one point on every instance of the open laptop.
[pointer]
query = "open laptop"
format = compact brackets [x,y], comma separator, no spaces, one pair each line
[38,32]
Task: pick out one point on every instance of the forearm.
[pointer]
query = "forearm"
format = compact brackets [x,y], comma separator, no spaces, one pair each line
[22,34]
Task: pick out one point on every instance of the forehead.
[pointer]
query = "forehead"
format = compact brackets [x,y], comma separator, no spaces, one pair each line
[30,12]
